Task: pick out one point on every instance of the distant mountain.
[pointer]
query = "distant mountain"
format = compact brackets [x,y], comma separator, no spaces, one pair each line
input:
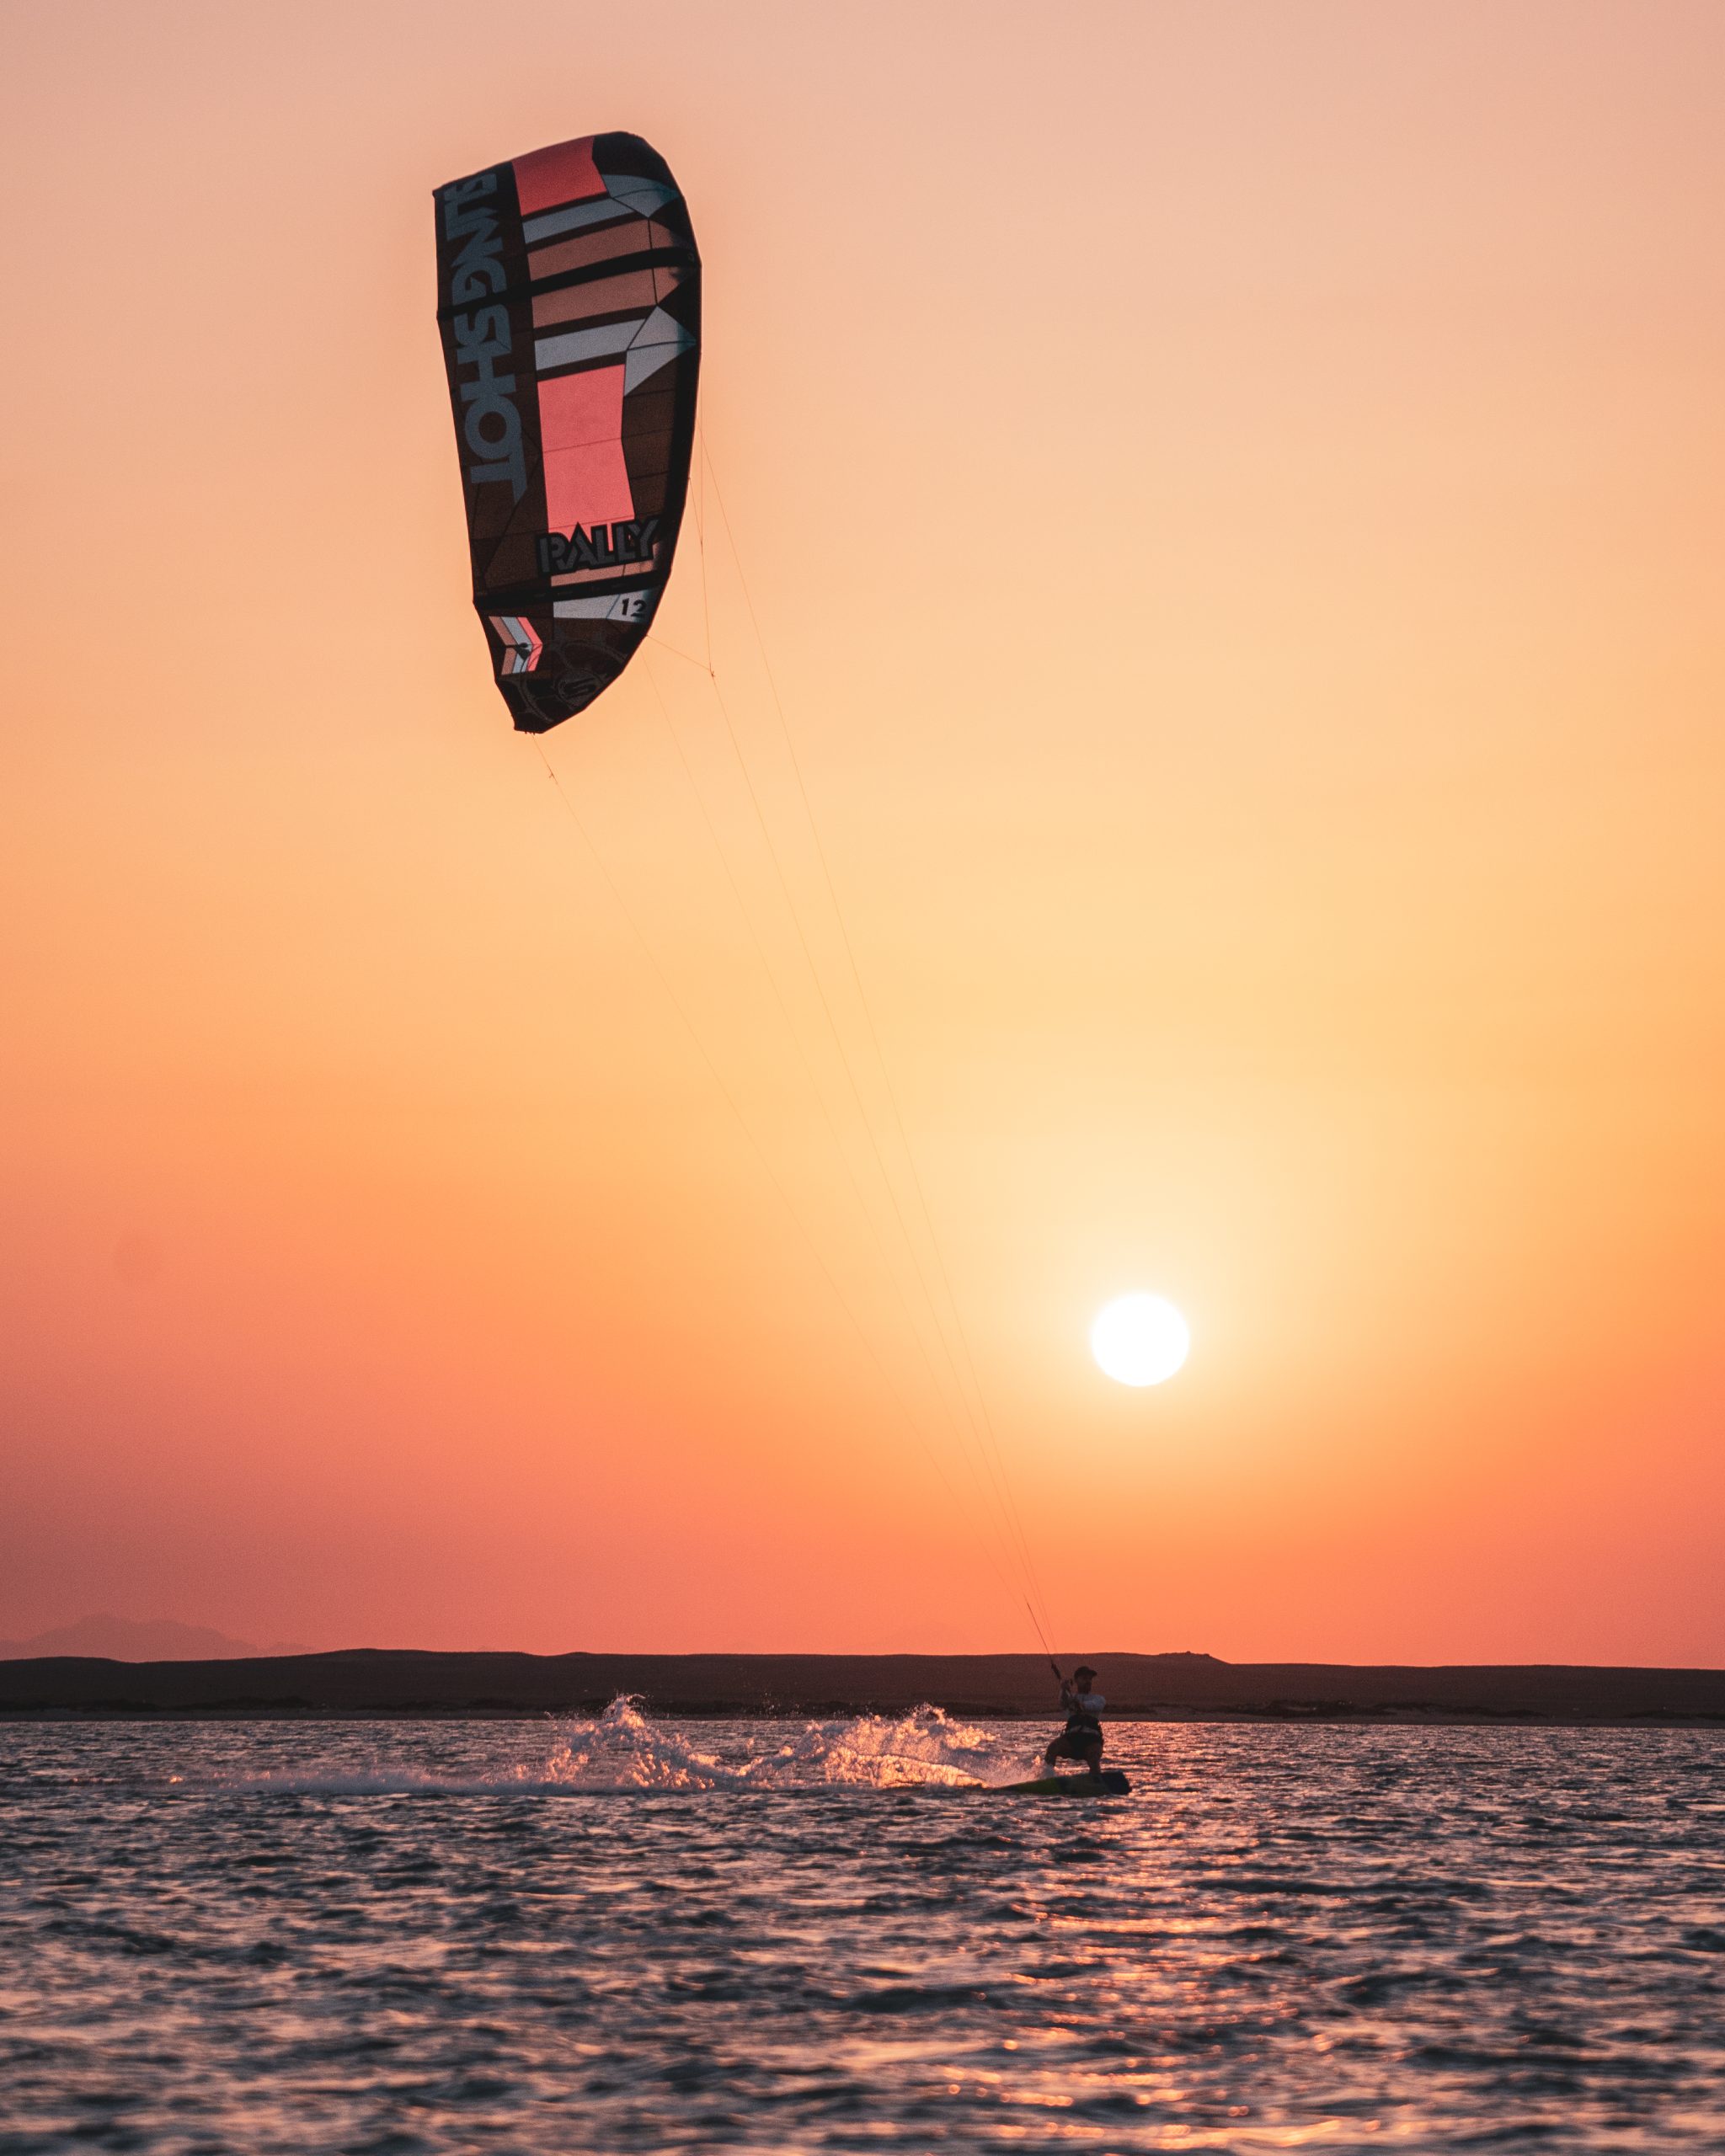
[128,1639]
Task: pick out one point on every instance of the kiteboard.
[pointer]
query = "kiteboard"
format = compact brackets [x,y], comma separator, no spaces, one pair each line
[1110,1782]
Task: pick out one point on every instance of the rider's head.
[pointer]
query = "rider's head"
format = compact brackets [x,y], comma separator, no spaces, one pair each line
[1083,1673]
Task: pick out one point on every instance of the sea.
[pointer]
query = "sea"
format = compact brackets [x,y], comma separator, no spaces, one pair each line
[237,1937]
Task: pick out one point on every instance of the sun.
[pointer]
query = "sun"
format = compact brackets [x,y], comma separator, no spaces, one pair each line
[1139,1339]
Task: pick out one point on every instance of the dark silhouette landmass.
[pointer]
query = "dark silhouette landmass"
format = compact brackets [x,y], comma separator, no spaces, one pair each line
[1153,1686]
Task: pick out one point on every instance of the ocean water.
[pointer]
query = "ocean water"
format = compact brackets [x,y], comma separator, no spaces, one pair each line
[387,1936]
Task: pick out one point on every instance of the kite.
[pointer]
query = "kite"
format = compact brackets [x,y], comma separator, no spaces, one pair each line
[569,297]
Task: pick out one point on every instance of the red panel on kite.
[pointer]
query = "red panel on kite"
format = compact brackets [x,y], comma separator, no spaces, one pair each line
[581,429]
[565,172]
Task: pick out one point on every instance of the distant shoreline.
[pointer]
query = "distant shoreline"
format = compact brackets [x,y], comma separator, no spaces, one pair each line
[406,1683]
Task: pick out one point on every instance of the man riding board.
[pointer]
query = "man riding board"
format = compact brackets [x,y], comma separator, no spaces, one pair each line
[1081,1737]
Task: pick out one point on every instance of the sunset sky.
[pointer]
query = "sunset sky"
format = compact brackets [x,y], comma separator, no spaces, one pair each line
[1233,498]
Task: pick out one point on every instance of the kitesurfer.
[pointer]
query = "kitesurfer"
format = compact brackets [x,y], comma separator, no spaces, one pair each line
[1081,1737]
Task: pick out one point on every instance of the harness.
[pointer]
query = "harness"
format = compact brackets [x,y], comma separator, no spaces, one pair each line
[1080,1721]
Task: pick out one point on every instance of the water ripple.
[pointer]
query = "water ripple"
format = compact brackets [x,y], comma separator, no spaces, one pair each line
[302,1937]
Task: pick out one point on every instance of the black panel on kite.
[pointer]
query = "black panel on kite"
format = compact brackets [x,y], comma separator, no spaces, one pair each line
[568,294]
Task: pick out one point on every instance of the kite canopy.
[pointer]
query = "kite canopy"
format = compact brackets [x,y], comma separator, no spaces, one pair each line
[568,295]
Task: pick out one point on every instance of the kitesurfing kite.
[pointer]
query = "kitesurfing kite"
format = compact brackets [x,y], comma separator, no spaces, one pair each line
[568,294]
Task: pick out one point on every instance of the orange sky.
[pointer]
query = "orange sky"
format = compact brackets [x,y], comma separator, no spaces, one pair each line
[1235,496]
